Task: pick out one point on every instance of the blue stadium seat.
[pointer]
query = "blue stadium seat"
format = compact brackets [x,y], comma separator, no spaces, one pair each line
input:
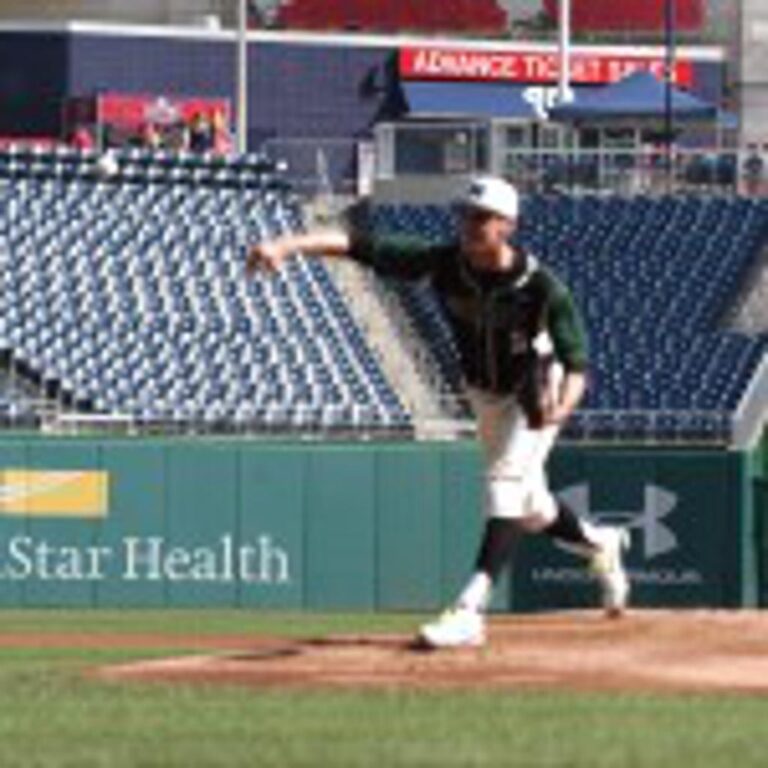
[653,277]
[129,297]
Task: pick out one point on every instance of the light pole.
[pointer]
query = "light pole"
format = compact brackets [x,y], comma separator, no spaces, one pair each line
[242,76]
[670,23]
[564,92]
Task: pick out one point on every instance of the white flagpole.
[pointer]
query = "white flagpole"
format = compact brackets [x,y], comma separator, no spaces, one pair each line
[564,92]
[242,76]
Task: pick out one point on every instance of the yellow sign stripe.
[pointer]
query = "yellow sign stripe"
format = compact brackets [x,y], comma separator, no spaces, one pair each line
[55,493]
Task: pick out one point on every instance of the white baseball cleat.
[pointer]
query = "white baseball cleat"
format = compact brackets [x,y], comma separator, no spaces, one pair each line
[608,567]
[455,628]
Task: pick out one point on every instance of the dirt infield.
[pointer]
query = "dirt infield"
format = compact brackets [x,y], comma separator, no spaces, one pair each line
[646,651]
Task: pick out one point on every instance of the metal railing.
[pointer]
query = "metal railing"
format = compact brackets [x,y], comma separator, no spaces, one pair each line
[650,171]
[709,428]
[632,172]
[617,427]
[323,169]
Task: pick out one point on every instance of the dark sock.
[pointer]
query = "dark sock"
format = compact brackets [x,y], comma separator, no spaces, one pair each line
[567,527]
[499,540]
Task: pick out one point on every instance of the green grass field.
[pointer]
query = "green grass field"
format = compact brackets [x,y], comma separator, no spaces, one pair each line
[52,715]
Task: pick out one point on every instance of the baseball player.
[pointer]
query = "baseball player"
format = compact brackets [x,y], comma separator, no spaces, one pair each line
[523,354]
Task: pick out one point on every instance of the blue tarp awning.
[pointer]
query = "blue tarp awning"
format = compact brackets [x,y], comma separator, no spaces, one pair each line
[467,99]
[638,96]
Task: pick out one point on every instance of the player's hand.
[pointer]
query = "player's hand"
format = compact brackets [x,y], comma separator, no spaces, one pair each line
[555,414]
[268,256]
[561,404]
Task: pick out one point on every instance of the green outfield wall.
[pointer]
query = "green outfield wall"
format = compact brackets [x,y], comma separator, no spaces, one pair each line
[158,522]
[761,517]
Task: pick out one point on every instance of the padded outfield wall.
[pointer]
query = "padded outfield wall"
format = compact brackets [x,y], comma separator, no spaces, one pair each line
[159,522]
[761,516]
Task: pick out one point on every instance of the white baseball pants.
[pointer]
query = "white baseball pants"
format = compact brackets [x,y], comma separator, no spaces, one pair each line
[515,456]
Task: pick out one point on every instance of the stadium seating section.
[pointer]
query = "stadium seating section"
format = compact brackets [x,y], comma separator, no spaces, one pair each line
[459,16]
[127,296]
[653,277]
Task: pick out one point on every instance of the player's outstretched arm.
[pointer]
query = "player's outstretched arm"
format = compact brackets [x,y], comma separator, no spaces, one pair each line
[270,254]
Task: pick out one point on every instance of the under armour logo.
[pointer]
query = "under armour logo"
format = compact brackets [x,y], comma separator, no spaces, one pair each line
[658,538]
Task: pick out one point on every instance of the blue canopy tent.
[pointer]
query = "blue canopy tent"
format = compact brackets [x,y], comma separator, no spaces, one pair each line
[477,100]
[639,102]
[640,96]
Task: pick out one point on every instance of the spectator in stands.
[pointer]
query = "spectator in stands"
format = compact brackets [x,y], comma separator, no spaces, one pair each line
[200,133]
[753,170]
[176,137]
[523,353]
[82,139]
[222,138]
[150,136]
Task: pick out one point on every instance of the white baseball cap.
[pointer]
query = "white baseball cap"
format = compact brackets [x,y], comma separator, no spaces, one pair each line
[493,194]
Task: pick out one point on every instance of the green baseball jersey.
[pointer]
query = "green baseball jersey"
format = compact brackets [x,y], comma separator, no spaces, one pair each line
[502,321]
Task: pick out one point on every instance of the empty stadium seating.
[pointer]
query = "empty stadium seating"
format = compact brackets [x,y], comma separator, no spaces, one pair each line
[653,277]
[460,16]
[127,296]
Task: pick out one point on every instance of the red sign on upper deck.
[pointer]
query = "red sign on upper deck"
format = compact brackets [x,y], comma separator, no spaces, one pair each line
[133,110]
[434,63]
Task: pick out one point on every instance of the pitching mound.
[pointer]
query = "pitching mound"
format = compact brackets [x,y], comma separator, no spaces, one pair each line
[645,651]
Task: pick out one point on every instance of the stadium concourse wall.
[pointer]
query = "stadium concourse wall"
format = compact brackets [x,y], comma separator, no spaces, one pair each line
[329,91]
[356,526]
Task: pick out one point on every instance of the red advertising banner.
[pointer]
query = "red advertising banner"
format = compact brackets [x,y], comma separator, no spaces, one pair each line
[434,63]
[130,111]
[29,142]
